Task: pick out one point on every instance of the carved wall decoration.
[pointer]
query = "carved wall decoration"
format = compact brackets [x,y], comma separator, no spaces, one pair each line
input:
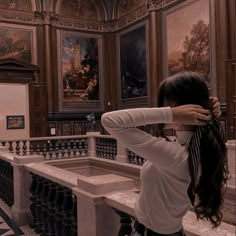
[79,9]
[19,5]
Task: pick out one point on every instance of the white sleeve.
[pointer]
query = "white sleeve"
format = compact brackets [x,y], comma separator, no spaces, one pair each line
[122,126]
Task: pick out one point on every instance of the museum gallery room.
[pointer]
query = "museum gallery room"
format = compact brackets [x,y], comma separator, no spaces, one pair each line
[65,168]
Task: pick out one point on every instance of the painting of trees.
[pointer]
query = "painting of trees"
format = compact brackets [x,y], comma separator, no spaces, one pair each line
[195,54]
[188,38]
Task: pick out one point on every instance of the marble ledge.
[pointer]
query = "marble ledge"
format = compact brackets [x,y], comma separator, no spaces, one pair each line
[193,227]
[22,160]
[7,156]
[60,176]
[102,184]
[125,201]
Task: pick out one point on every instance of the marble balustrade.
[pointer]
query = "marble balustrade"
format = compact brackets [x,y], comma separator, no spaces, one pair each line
[86,192]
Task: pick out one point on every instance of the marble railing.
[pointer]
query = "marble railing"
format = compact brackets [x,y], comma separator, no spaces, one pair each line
[61,147]
[50,147]
[106,147]
[104,188]
[123,204]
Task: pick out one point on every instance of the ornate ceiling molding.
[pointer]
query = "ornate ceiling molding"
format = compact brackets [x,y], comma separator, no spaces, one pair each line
[10,16]
[154,5]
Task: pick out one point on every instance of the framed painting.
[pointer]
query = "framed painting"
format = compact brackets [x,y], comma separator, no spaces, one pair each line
[133,82]
[189,39]
[79,71]
[15,122]
[18,42]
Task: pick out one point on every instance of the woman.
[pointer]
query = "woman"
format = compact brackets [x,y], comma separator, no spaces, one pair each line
[175,170]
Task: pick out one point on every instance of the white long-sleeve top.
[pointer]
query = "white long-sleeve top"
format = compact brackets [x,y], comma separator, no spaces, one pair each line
[165,178]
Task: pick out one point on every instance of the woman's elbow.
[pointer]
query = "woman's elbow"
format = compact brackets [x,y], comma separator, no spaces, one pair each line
[105,120]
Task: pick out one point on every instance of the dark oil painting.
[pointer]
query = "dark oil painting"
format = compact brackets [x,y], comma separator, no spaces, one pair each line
[133,63]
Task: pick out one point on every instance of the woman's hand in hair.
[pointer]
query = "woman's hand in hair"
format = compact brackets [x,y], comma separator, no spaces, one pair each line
[190,115]
[215,107]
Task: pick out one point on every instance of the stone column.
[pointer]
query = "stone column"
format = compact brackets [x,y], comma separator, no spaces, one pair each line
[231,151]
[92,143]
[155,47]
[121,153]
[94,216]
[22,180]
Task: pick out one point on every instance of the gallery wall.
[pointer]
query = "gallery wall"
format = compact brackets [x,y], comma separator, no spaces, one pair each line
[97,56]
[14,117]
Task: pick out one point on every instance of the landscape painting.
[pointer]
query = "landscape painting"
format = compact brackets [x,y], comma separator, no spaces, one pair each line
[16,43]
[80,72]
[188,38]
[133,63]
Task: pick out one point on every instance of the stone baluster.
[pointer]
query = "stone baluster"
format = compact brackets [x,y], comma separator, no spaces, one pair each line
[24,148]
[91,145]
[74,216]
[125,223]
[121,155]
[38,206]
[22,182]
[11,146]
[18,148]
[51,200]
[44,209]
[59,213]
[67,212]
[63,149]
[33,199]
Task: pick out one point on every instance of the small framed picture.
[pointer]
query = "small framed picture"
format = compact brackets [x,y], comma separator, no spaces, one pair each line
[15,122]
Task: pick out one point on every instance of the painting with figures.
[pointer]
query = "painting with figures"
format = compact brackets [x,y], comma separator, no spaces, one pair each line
[80,70]
[188,38]
[133,63]
[16,43]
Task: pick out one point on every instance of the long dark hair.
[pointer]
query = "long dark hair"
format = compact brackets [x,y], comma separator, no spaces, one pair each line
[190,88]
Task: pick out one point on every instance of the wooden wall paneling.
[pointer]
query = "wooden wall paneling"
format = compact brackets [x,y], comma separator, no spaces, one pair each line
[38,110]
[231,98]
[231,29]
[41,53]
[78,128]
[48,63]
[54,92]
[221,44]
[155,56]
[66,128]
[110,72]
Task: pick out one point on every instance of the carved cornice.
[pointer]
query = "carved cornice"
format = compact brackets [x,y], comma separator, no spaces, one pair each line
[46,18]
[53,19]
[154,5]
[109,26]
[16,17]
